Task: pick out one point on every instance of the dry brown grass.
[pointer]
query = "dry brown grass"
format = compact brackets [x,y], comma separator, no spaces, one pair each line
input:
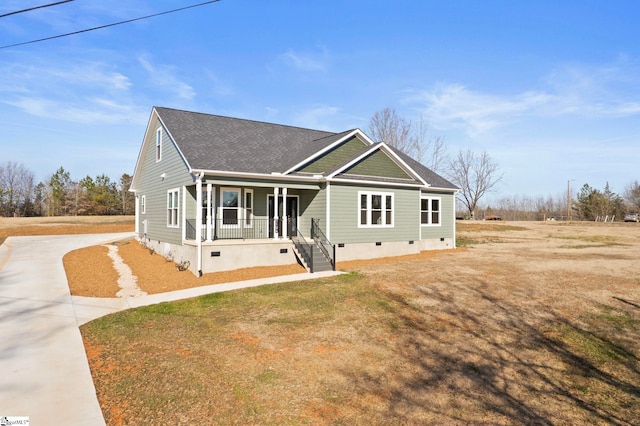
[532,324]
[63,225]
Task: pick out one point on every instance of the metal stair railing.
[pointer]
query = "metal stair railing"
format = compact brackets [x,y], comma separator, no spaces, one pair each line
[304,248]
[323,243]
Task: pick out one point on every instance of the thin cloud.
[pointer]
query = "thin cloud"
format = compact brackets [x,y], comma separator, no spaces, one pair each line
[316,117]
[572,91]
[52,92]
[163,77]
[306,62]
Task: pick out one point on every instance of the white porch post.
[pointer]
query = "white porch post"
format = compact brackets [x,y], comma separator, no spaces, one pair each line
[209,221]
[199,209]
[276,193]
[285,218]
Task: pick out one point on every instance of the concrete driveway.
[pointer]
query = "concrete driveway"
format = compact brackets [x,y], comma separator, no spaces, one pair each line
[44,368]
[43,364]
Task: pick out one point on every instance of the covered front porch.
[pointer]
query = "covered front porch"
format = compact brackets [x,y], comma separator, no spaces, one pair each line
[246,224]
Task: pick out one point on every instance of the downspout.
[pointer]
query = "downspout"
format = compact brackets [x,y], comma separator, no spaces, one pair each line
[137,216]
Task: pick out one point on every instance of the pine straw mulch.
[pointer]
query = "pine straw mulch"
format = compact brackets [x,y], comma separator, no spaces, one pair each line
[90,271]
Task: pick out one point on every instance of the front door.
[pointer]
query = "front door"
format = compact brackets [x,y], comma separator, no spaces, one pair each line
[290,222]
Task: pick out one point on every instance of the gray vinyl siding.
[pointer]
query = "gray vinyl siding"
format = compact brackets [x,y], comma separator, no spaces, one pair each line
[345,213]
[313,206]
[336,156]
[378,164]
[154,187]
[447,219]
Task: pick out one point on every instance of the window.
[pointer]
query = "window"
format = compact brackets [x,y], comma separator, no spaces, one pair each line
[248,208]
[205,206]
[376,209]
[143,204]
[430,211]
[158,144]
[172,208]
[230,206]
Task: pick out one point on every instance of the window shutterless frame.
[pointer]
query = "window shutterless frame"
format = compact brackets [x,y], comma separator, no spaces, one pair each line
[430,211]
[173,211]
[375,209]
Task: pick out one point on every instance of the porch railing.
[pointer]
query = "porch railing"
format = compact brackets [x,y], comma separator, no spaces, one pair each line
[225,229]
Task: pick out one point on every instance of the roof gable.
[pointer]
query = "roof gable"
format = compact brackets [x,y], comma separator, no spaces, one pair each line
[336,156]
[377,164]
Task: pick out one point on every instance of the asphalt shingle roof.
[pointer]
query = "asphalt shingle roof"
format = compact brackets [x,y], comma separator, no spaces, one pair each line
[213,142]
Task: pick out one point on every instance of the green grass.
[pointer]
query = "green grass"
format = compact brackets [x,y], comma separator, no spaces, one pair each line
[591,240]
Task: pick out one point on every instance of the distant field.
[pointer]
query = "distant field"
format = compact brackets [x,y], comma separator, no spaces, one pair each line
[61,225]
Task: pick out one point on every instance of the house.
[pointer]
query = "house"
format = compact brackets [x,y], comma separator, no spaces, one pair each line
[218,193]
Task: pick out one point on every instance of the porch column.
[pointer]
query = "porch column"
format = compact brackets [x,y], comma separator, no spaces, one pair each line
[276,193]
[209,221]
[199,209]
[285,221]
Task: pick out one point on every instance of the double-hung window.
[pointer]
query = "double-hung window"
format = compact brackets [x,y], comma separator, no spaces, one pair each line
[248,208]
[158,144]
[143,204]
[172,207]
[376,209]
[430,211]
[230,206]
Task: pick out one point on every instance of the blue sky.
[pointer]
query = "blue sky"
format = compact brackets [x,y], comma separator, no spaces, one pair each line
[550,89]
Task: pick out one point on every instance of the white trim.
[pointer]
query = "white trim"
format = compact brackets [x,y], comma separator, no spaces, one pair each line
[238,208]
[261,176]
[380,183]
[184,212]
[369,209]
[320,153]
[328,211]
[175,197]
[430,211]
[198,210]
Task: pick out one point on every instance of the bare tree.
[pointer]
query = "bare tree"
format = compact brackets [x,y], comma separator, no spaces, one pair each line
[419,143]
[632,196]
[387,126]
[16,189]
[427,148]
[475,175]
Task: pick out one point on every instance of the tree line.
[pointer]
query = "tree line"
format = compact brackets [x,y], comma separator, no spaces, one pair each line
[588,204]
[60,195]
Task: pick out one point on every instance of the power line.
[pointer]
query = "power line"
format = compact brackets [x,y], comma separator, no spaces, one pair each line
[35,7]
[109,25]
